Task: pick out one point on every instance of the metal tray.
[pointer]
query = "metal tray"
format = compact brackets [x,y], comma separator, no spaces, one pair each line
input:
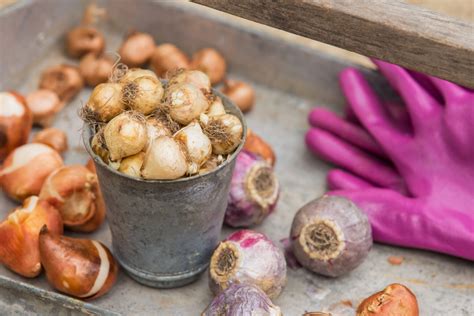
[290,77]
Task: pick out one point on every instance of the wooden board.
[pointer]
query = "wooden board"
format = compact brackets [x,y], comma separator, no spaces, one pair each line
[386,29]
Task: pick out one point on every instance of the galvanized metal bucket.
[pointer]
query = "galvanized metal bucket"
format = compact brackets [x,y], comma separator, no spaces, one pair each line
[164,232]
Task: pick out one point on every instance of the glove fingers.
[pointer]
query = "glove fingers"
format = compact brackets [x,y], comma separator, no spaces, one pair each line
[347,156]
[451,92]
[420,103]
[369,110]
[329,121]
[341,180]
[402,221]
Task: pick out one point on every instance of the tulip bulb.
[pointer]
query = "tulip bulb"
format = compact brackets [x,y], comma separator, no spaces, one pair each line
[19,234]
[395,299]
[84,39]
[216,108]
[15,122]
[104,103]
[211,62]
[125,135]
[135,73]
[143,94]
[225,132]
[81,268]
[74,191]
[44,104]
[240,93]
[212,163]
[197,144]
[164,160]
[26,168]
[186,102]
[96,69]
[132,165]
[65,80]
[168,58]
[156,126]
[137,49]
[195,77]
[53,137]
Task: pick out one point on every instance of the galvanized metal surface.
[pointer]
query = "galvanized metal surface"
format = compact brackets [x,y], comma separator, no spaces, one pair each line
[443,285]
[164,232]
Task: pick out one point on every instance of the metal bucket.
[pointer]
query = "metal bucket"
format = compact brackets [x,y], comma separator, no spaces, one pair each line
[164,231]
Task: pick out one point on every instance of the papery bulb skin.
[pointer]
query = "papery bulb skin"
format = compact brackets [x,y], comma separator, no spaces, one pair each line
[81,268]
[105,103]
[125,135]
[240,300]
[164,160]
[19,235]
[26,168]
[395,299]
[197,144]
[74,191]
[254,191]
[248,257]
[331,236]
[186,102]
[16,121]
[195,77]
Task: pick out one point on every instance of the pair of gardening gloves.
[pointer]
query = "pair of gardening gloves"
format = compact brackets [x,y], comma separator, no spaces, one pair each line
[409,167]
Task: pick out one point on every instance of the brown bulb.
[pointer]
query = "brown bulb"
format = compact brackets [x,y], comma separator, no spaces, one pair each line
[75,192]
[137,49]
[19,235]
[395,299]
[83,39]
[256,145]
[82,268]
[167,59]
[44,104]
[65,80]
[15,122]
[242,94]
[96,69]
[53,137]
[211,62]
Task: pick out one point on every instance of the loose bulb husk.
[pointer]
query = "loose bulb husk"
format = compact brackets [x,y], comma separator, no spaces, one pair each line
[197,144]
[65,80]
[168,58]
[74,191]
[26,168]
[104,104]
[16,120]
[82,268]
[211,62]
[143,94]
[53,137]
[224,131]
[132,165]
[137,49]
[125,135]
[186,102]
[19,235]
[44,105]
[96,69]
[164,160]
[194,77]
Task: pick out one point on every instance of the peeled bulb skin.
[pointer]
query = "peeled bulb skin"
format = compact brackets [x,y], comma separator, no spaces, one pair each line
[194,77]
[104,103]
[65,80]
[395,299]
[137,49]
[242,299]
[44,104]
[330,236]
[19,235]
[74,191]
[26,168]
[211,62]
[248,257]
[168,58]
[125,135]
[225,132]
[84,39]
[186,102]
[53,137]
[164,160]
[78,267]
[15,122]
[143,94]
[198,145]
[96,69]
[253,192]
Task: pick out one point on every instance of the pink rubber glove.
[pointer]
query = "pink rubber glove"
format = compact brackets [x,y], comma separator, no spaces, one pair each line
[414,180]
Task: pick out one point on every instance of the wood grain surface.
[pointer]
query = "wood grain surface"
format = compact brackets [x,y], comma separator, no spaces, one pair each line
[391,30]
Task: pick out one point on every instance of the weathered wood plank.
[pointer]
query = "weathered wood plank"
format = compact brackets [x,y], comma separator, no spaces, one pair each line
[386,29]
